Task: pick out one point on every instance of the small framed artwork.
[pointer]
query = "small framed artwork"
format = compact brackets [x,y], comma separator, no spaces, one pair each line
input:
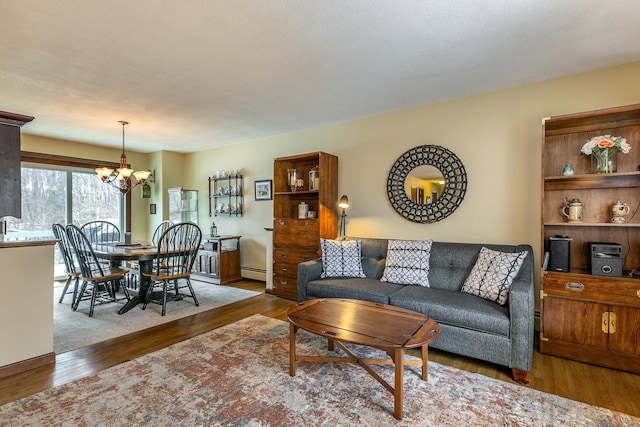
[152,208]
[264,190]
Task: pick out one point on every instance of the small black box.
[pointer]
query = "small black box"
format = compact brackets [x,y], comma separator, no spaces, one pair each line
[605,259]
[559,253]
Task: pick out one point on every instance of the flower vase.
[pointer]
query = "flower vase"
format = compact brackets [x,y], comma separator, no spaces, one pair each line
[604,161]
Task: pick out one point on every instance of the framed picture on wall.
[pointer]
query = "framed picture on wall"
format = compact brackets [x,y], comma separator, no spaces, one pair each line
[264,189]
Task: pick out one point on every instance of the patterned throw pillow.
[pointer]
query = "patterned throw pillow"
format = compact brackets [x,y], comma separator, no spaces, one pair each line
[407,262]
[341,258]
[493,274]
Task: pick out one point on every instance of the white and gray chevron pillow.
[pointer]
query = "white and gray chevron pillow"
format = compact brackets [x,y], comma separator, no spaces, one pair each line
[341,258]
[493,274]
[407,262]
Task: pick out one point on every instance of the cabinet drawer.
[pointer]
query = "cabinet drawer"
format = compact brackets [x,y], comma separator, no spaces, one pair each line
[285,286]
[285,269]
[295,255]
[596,288]
[299,232]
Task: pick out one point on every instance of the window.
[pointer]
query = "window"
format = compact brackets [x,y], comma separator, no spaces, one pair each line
[58,189]
[45,200]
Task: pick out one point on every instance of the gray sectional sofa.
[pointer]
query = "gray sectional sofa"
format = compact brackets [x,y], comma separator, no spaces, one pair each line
[470,325]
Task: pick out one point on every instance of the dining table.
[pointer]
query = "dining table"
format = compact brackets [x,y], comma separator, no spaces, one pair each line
[118,253]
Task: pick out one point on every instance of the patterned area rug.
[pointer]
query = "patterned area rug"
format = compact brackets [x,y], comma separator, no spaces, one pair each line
[238,375]
[75,329]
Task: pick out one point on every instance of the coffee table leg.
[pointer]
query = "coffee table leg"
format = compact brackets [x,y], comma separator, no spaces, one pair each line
[425,358]
[292,349]
[398,394]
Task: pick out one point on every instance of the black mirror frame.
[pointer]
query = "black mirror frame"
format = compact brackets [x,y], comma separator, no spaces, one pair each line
[455,186]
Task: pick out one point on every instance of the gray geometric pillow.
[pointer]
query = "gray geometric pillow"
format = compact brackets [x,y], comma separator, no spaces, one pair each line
[407,262]
[493,274]
[341,258]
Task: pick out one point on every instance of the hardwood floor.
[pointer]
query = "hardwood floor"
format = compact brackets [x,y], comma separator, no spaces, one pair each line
[617,390]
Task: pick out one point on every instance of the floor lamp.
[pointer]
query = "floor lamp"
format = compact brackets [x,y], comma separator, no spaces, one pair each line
[344,204]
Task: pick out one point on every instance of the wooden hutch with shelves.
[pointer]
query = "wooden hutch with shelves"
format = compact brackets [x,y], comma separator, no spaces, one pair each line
[297,240]
[585,317]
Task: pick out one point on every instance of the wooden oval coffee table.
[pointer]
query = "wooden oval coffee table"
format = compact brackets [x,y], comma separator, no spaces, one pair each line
[381,326]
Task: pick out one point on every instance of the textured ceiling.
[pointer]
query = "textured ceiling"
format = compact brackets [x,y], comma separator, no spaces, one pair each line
[196,74]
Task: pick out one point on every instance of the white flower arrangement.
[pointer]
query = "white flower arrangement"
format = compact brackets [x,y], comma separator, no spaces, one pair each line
[601,143]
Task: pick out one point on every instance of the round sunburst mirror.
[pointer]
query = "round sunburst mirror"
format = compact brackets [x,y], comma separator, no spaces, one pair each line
[427,184]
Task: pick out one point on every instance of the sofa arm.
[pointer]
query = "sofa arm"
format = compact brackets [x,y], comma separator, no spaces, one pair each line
[307,271]
[521,312]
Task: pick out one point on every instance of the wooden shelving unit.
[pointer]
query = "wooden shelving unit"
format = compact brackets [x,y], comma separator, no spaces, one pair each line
[296,240]
[591,318]
[225,196]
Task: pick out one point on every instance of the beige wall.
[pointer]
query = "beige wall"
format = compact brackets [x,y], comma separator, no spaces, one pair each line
[497,136]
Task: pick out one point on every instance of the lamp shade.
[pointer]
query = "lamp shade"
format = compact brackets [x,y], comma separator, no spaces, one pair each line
[344,202]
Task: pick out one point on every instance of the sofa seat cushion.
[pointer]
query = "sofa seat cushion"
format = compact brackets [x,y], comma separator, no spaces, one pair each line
[454,308]
[352,288]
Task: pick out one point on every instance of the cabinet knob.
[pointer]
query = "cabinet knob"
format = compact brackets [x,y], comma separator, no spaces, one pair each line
[284,269]
[572,286]
[283,255]
[283,282]
[308,258]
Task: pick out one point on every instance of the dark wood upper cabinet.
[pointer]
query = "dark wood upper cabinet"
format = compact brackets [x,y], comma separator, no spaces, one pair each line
[10,174]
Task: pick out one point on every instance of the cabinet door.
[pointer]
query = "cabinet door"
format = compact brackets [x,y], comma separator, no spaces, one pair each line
[213,264]
[626,338]
[200,266]
[576,322]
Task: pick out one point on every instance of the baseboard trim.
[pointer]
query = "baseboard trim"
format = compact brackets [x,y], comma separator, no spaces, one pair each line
[27,365]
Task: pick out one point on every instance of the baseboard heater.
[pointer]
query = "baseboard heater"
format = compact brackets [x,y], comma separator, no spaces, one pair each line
[253,273]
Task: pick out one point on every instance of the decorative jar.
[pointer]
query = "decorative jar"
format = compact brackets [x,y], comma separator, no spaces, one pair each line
[292,178]
[314,179]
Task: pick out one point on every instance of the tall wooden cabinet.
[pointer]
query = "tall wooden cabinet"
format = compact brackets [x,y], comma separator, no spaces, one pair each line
[295,239]
[592,318]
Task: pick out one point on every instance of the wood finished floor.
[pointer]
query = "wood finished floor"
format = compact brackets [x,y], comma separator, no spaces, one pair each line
[616,390]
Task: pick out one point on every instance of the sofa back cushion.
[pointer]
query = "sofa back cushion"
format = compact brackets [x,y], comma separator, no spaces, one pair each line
[451,263]
[374,252]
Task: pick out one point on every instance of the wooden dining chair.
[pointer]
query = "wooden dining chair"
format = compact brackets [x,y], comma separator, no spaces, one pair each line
[177,250]
[100,282]
[161,228]
[71,268]
[101,232]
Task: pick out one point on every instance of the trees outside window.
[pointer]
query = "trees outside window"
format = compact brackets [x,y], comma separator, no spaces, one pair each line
[58,195]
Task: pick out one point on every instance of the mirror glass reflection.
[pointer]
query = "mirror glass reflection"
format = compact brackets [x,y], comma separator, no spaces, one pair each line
[424,184]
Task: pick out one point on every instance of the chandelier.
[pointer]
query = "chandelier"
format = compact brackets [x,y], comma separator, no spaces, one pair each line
[123,177]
